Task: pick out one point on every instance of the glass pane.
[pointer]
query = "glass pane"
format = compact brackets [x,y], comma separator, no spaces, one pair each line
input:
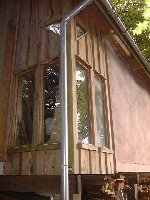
[99,112]
[25,108]
[80,31]
[51,104]
[82,104]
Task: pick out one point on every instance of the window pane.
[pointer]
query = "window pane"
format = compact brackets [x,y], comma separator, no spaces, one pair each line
[82,104]
[51,104]
[80,31]
[25,108]
[99,112]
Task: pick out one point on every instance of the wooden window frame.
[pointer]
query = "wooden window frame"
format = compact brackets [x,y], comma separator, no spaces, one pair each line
[78,22]
[87,68]
[14,111]
[103,81]
[38,126]
[92,73]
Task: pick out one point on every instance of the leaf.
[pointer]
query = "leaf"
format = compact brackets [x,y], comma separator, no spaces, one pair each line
[140,27]
[146,13]
[147,2]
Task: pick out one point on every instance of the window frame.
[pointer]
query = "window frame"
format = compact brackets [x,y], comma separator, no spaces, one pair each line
[93,136]
[38,115]
[87,67]
[104,99]
[13,140]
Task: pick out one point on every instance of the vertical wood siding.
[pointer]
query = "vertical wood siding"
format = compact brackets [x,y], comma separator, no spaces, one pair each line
[34,45]
[25,43]
[91,51]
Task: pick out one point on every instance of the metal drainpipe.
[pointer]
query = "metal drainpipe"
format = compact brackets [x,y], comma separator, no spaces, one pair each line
[63,98]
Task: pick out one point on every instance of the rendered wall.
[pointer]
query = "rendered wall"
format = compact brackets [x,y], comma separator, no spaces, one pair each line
[130,103]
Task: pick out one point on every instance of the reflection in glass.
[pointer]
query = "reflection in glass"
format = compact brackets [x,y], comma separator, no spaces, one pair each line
[25,108]
[51,104]
[82,104]
[99,112]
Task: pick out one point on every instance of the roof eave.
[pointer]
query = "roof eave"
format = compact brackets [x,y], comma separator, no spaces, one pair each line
[122,32]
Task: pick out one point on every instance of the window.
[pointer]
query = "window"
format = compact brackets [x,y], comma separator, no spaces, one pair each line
[80,31]
[51,104]
[100,111]
[25,108]
[82,104]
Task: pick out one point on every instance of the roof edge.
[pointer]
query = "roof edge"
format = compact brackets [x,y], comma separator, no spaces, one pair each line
[122,32]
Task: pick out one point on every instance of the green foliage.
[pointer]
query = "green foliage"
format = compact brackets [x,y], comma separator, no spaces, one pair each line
[82,104]
[135,16]
[145,25]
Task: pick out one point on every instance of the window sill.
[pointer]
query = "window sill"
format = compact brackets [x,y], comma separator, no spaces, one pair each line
[19,149]
[105,150]
[40,147]
[87,146]
[94,148]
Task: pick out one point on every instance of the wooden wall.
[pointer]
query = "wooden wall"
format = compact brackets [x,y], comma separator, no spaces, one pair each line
[44,162]
[91,52]
[26,44]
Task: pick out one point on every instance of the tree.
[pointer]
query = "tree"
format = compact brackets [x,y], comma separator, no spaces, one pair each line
[135,16]
[145,25]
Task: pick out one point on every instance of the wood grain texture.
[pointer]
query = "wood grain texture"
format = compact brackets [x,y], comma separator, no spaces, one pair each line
[26,163]
[23,35]
[53,162]
[33,34]
[16,164]
[84,161]
[6,79]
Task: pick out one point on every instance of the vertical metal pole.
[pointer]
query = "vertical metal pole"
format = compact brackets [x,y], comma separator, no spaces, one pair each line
[63,98]
[64,115]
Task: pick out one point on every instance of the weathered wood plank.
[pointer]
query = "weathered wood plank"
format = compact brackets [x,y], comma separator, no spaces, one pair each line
[33,35]
[8,166]
[39,162]
[103,162]
[84,161]
[31,183]
[93,162]
[38,134]
[42,45]
[16,164]
[45,11]
[56,7]
[103,58]
[82,48]
[26,163]
[53,164]
[5,12]
[89,57]
[73,150]
[95,47]
[97,163]
[5,91]
[36,183]
[23,34]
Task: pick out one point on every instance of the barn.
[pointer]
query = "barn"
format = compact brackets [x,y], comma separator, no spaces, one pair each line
[75,102]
